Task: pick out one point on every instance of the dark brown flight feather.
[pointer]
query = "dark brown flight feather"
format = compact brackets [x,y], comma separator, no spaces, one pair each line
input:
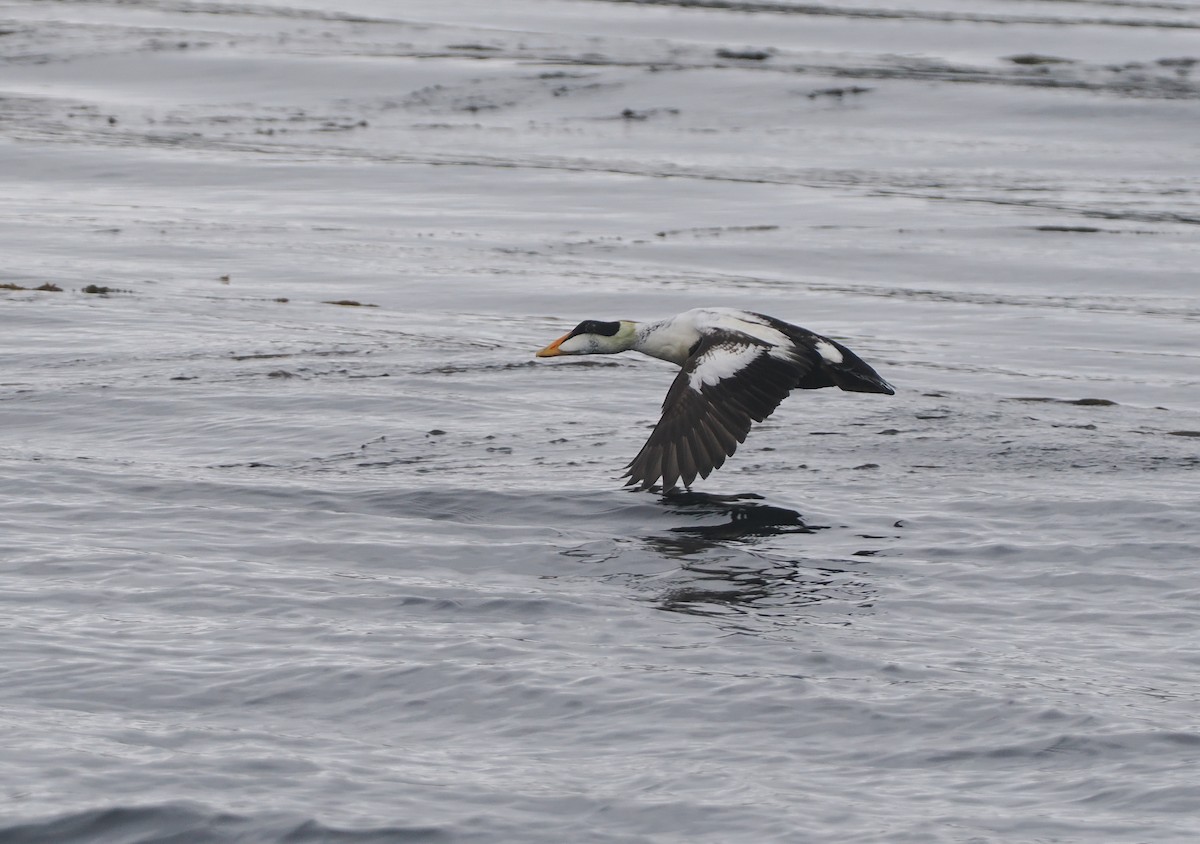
[698,430]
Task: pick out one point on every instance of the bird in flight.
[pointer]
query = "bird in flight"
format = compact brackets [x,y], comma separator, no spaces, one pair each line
[737,366]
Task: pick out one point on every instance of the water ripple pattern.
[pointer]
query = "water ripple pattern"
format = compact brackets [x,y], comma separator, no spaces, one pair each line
[299,543]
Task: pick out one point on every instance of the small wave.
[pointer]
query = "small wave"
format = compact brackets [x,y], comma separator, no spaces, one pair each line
[177,822]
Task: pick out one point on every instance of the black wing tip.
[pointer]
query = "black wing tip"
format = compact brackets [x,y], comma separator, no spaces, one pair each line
[636,480]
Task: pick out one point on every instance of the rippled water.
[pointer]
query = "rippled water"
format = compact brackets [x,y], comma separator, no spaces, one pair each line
[277,568]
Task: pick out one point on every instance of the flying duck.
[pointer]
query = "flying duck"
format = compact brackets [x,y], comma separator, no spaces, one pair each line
[737,366]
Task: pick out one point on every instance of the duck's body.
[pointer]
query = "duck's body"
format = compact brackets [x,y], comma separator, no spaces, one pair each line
[737,366]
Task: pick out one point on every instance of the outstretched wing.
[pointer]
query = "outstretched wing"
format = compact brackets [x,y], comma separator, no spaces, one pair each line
[730,381]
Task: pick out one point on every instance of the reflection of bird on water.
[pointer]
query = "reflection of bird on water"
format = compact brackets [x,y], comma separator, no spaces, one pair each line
[743,517]
[737,366]
[769,593]
[721,576]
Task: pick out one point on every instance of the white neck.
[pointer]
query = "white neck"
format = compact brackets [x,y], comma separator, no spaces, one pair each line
[668,339]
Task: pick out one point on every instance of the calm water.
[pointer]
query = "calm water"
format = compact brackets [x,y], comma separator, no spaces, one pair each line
[280,569]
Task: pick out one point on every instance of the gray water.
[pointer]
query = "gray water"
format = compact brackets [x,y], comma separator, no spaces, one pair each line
[278,569]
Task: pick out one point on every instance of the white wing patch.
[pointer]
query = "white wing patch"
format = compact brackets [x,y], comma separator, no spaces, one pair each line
[730,319]
[721,362]
[828,351]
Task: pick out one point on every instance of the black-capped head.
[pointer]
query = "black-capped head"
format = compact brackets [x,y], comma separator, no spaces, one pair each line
[595,326]
[594,337]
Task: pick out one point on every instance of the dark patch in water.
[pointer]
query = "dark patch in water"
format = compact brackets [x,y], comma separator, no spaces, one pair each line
[748,55]
[1036,59]
[1079,229]
[1081,402]
[839,93]
[48,287]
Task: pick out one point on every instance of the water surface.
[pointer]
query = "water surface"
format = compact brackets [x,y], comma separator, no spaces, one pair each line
[277,568]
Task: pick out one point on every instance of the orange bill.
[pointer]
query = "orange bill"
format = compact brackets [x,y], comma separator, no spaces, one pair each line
[552,350]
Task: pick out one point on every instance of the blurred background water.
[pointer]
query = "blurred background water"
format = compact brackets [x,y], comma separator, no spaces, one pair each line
[299,543]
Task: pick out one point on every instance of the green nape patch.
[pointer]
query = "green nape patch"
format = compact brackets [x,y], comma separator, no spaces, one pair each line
[348,303]
[48,287]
